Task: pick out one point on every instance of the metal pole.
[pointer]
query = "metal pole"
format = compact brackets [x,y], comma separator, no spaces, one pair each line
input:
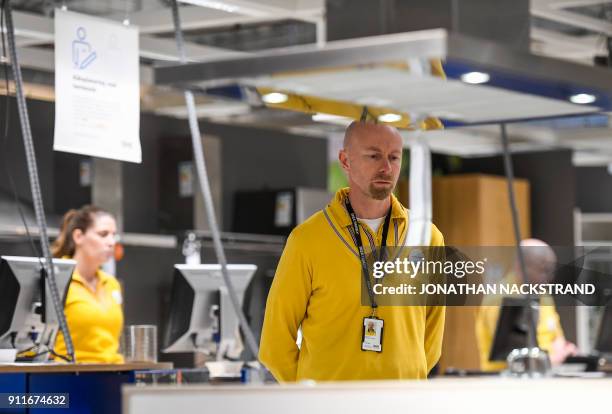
[532,341]
[198,154]
[34,183]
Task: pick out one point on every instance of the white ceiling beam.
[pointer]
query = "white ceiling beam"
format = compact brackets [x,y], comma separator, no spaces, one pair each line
[192,18]
[165,49]
[197,17]
[547,9]
[44,60]
[254,7]
[41,31]
[33,26]
[39,59]
[560,53]
[564,4]
[591,159]
[587,44]
[22,41]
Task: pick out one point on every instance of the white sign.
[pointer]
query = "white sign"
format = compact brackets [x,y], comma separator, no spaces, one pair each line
[284,210]
[97,87]
[85,175]
[185,174]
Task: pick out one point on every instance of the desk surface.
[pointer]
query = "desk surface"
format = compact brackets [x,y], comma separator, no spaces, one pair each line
[64,367]
[438,396]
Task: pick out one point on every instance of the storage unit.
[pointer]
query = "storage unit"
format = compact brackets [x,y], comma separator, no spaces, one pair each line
[473,210]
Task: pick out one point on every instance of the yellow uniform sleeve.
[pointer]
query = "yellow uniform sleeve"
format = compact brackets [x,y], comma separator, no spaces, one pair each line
[549,325]
[285,310]
[486,323]
[434,322]
[434,331]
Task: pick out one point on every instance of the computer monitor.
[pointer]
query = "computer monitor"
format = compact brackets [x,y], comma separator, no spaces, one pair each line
[200,308]
[27,315]
[512,328]
[603,343]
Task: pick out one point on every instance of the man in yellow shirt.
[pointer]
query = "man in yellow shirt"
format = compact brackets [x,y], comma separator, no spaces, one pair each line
[540,261]
[317,285]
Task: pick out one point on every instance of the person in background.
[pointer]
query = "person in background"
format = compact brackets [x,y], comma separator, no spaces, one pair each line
[540,262]
[93,306]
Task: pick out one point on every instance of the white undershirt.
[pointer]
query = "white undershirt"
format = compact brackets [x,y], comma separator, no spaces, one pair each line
[374,224]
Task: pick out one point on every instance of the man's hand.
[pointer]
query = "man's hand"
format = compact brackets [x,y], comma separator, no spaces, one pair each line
[560,350]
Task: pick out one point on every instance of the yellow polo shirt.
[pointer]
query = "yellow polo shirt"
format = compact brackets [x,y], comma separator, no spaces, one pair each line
[317,286]
[95,320]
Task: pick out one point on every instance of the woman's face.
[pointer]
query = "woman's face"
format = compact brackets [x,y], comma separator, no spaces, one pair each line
[97,243]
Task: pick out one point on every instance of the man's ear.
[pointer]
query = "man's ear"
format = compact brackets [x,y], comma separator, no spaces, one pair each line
[344,160]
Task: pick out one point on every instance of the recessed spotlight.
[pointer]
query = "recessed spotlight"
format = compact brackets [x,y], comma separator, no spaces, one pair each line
[582,98]
[475,77]
[390,117]
[275,98]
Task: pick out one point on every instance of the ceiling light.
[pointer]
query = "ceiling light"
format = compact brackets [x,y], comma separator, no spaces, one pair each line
[275,98]
[451,116]
[475,77]
[582,98]
[332,119]
[390,117]
[213,4]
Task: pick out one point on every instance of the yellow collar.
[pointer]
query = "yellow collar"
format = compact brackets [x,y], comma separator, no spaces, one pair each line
[338,210]
[102,276]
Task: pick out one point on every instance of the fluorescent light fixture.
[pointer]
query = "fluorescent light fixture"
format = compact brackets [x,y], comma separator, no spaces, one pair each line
[475,77]
[451,116]
[390,117]
[332,119]
[275,98]
[246,8]
[213,4]
[582,98]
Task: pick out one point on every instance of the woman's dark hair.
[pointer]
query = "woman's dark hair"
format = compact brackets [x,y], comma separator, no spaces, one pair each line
[81,219]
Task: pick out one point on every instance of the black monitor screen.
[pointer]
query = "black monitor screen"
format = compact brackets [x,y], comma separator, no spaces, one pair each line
[9,292]
[181,306]
[604,337]
[512,328]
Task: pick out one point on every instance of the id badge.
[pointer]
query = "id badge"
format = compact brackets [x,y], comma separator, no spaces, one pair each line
[372,334]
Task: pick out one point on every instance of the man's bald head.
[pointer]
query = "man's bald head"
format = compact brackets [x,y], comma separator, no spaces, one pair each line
[540,260]
[372,158]
[358,129]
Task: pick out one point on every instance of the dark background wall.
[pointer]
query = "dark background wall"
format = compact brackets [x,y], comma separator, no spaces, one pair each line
[594,189]
[251,159]
[502,21]
[13,155]
[255,159]
[552,179]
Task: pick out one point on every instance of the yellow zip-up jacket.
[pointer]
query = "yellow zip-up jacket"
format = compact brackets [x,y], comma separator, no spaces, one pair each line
[318,286]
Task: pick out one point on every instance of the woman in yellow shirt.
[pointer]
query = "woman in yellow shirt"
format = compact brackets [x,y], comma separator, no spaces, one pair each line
[93,304]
